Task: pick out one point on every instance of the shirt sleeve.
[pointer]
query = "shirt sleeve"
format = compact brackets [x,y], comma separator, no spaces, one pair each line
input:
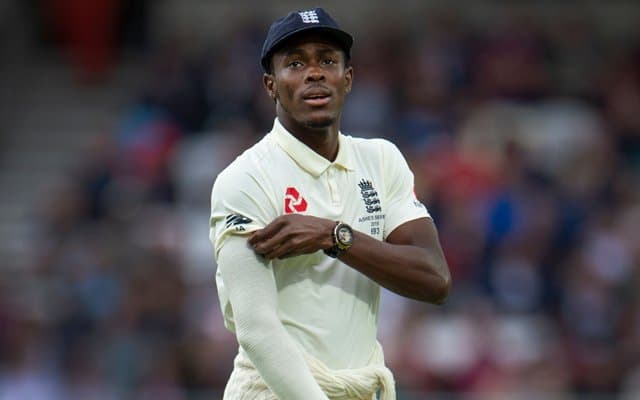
[402,205]
[239,206]
[247,288]
[253,297]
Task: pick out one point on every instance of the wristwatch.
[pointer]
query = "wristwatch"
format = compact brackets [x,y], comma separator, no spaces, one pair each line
[342,236]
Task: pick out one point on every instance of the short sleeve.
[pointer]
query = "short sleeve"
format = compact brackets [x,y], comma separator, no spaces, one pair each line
[239,206]
[402,204]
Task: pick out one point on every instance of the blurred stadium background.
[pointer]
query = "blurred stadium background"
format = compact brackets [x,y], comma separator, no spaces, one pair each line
[520,119]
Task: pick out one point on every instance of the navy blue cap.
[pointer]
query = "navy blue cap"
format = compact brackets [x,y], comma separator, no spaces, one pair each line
[297,22]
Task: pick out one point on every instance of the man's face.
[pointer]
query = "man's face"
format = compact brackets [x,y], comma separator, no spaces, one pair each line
[309,81]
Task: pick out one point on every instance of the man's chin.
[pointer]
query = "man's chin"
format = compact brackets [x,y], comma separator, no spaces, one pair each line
[320,122]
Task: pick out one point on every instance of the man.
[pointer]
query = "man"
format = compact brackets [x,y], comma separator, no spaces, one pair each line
[306,225]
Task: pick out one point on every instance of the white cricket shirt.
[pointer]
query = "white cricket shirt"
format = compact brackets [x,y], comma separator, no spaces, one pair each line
[326,306]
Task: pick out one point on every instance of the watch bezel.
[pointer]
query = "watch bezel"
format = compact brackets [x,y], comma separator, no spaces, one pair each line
[339,246]
[338,240]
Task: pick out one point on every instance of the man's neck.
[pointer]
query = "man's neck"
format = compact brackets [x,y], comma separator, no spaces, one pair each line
[322,140]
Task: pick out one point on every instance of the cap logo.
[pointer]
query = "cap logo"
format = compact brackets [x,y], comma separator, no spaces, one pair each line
[309,17]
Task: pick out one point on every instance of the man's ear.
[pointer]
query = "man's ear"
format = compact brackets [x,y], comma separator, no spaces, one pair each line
[348,76]
[270,84]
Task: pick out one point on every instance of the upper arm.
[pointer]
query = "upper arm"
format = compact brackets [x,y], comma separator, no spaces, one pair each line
[239,205]
[419,232]
[250,283]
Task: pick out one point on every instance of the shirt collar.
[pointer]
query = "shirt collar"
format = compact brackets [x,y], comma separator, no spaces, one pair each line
[305,157]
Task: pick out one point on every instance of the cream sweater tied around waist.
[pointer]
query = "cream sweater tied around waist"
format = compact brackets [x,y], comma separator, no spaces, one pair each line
[246,383]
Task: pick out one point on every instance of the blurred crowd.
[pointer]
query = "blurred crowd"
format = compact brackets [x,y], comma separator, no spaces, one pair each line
[524,138]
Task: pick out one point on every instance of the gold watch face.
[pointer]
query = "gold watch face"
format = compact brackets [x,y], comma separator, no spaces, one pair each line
[344,236]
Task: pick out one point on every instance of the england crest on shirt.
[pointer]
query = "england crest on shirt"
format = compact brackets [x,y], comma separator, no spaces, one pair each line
[369,196]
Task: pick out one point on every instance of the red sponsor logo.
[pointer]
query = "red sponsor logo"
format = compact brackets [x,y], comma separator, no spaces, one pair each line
[293,201]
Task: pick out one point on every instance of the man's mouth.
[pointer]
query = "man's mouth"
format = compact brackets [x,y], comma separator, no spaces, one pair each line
[317,98]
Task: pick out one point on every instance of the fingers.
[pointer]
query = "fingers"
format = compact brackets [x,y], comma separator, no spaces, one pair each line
[265,233]
[284,245]
[288,236]
[272,236]
[288,250]
[268,245]
[277,246]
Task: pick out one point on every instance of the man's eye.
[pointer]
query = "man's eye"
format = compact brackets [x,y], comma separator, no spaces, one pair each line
[329,61]
[294,64]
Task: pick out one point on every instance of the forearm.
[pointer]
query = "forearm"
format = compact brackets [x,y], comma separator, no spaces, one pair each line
[259,331]
[408,270]
[410,262]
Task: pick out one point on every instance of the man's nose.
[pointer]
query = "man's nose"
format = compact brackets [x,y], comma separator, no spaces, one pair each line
[314,74]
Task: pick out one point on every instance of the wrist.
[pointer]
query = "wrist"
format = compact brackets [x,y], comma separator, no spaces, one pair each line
[327,235]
